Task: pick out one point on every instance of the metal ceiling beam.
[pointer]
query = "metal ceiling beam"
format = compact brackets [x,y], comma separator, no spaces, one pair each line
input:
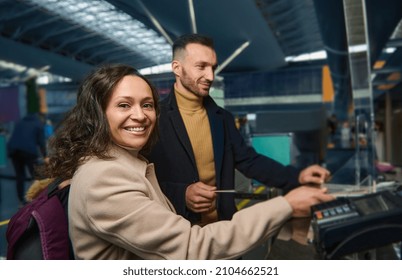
[56,32]
[192,16]
[232,56]
[394,43]
[155,22]
[33,57]
[386,82]
[16,13]
[386,70]
[139,61]
[106,51]
[76,39]
[40,23]
[91,45]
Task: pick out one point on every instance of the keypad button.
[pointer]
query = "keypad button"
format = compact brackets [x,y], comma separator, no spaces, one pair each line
[339,210]
[318,214]
[346,208]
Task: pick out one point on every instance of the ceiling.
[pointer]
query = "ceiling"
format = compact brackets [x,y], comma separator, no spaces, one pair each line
[250,35]
[384,32]
[34,36]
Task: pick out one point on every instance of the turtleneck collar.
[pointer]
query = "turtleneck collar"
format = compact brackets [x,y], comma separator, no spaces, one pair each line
[189,102]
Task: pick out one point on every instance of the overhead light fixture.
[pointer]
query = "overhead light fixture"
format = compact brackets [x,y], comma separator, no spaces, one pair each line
[358,48]
[307,56]
[102,18]
[158,69]
[390,50]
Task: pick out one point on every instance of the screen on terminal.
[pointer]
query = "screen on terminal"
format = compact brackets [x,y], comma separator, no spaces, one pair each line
[374,204]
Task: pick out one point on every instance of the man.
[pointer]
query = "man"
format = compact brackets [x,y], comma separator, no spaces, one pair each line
[200,147]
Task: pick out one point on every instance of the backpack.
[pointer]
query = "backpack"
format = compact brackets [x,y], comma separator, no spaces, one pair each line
[39,230]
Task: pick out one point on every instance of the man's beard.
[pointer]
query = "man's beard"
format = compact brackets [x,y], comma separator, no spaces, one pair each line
[191,86]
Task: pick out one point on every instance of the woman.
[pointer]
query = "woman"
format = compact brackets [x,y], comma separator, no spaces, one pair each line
[116,208]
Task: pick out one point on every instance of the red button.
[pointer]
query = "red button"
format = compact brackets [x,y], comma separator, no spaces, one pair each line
[318,214]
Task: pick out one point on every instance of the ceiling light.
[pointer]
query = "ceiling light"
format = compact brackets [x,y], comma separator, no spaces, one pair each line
[105,19]
[307,57]
[358,48]
[390,50]
[158,69]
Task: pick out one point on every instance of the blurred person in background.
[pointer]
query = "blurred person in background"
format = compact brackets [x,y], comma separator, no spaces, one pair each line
[26,146]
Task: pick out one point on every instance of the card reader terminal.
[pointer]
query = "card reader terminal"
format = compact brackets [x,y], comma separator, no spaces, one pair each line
[352,224]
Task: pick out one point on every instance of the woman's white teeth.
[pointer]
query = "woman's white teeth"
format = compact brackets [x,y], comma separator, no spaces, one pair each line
[135,128]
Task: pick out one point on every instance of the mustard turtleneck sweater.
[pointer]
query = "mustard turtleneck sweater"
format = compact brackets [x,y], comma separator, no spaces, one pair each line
[196,121]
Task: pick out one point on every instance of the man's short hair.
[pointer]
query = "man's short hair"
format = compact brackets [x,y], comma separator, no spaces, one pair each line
[182,41]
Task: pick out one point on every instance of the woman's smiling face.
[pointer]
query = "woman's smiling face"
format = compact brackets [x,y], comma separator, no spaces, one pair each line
[131,114]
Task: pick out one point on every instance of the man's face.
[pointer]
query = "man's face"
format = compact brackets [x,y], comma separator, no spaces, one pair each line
[195,70]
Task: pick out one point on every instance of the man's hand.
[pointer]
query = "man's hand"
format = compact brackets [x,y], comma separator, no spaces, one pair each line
[314,174]
[200,197]
[302,198]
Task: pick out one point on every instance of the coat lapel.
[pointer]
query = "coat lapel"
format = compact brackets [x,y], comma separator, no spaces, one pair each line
[177,122]
[217,132]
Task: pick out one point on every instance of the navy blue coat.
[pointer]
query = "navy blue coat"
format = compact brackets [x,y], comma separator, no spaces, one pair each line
[28,137]
[175,163]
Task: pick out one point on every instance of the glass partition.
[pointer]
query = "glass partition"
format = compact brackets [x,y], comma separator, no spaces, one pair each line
[359,171]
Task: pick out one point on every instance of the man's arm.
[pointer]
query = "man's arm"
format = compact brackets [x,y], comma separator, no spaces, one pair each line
[269,171]
[257,166]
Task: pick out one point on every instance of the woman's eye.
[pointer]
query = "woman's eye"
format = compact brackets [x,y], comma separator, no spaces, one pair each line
[124,105]
[148,105]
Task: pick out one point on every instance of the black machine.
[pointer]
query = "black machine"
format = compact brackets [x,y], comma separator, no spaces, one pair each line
[350,225]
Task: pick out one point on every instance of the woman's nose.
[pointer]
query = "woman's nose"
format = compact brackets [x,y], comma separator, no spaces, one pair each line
[137,113]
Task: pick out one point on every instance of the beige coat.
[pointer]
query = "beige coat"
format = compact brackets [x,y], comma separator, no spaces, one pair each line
[118,211]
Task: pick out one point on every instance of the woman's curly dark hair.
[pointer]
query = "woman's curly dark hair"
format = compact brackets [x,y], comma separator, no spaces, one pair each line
[85,130]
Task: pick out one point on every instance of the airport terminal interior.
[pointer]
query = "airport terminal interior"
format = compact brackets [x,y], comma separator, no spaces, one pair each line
[308,82]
